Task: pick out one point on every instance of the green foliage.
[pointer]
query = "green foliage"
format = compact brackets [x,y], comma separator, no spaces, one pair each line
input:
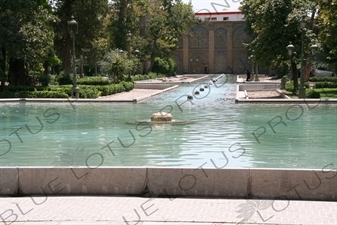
[33,94]
[327,20]
[128,85]
[89,91]
[327,92]
[64,91]
[90,16]
[160,65]
[64,80]
[145,77]
[155,26]
[326,85]
[116,63]
[310,93]
[26,36]
[267,21]
[323,79]
[44,79]
[164,66]
[289,86]
[172,67]
[97,80]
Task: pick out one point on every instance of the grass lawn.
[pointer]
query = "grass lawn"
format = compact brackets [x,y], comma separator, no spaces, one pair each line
[327,92]
[324,92]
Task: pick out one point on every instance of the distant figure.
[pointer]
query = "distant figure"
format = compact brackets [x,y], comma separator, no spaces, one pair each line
[206,70]
[248,75]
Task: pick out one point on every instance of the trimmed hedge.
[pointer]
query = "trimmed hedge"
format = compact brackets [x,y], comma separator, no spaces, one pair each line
[325,85]
[93,81]
[323,79]
[64,91]
[290,86]
[64,80]
[312,94]
[89,92]
[33,94]
[145,77]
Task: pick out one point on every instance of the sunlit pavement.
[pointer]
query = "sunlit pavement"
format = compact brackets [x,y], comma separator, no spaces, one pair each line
[151,211]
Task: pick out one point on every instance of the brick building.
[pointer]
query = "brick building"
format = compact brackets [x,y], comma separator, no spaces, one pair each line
[217,41]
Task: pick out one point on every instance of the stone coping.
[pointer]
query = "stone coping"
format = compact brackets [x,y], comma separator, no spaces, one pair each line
[269,183]
[241,96]
[287,101]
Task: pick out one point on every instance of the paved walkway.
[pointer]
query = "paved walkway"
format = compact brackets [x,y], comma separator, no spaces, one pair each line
[160,211]
[138,94]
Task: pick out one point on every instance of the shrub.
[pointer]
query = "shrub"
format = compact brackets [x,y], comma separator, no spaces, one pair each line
[312,94]
[64,80]
[290,86]
[89,92]
[164,66]
[44,79]
[98,80]
[47,94]
[325,85]
[323,79]
[119,88]
[33,94]
[140,77]
[172,67]
[128,85]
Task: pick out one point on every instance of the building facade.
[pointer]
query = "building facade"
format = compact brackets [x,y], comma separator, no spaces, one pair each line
[217,44]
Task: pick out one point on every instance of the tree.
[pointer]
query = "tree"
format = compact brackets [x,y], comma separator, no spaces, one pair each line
[327,18]
[26,37]
[272,24]
[89,15]
[155,26]
[116,63]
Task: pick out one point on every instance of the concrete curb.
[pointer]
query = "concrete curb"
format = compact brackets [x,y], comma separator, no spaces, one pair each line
[287,101]
[289,184]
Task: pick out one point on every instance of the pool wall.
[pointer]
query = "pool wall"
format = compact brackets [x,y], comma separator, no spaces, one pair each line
[289,184]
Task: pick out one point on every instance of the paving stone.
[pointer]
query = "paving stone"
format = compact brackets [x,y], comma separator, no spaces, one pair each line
[129,210]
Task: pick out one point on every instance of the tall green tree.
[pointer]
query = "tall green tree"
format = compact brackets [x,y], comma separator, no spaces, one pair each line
[328,28]
[89,14]
[155,26]
[26,37]
[272,24]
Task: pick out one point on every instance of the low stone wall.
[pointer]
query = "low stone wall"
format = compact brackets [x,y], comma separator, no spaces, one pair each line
[258,87]
[158,86]
[202,182]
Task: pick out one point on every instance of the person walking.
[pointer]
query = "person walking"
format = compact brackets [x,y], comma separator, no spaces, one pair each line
[206,70]
[248,75]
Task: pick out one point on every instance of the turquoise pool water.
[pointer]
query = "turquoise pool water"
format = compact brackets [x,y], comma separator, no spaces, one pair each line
[223,134]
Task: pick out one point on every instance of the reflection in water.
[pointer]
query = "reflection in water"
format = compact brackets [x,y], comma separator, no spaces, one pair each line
[221,135]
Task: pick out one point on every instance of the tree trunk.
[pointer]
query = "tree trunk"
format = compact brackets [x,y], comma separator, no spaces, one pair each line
[17,72]
[67,13]
[46,68]
[3,68]
[294,75]
[153,54]
[67,56]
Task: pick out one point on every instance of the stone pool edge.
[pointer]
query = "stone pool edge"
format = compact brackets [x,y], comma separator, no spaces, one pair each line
[289,184]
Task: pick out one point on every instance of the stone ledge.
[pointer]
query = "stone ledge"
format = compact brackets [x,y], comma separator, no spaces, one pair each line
[200,182]
[290,184]
[82,181]
[9,177]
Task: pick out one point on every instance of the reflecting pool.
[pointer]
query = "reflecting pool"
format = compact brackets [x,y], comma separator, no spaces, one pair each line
[222,134]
